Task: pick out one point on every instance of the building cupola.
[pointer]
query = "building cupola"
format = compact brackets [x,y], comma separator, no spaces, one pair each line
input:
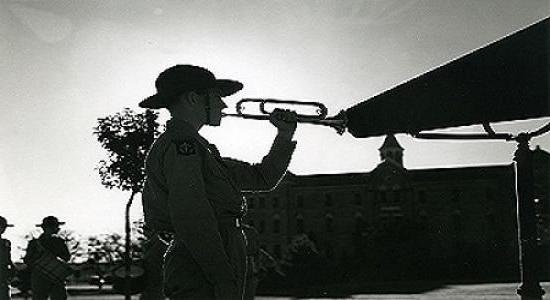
[391,150]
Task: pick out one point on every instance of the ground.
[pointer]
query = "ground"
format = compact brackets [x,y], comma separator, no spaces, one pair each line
[495,291]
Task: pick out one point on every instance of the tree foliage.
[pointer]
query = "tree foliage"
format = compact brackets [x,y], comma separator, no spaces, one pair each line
[302,263]
[110,248]
[127,136]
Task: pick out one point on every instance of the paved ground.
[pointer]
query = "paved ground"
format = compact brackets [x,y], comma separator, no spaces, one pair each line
[498,291]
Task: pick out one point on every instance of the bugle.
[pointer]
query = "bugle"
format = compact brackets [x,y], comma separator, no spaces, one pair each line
[337,122]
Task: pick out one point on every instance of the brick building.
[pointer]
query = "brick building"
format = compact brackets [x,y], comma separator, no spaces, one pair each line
[467,211]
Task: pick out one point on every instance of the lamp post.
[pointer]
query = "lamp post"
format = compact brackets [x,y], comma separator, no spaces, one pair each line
[530,288]
[529,252]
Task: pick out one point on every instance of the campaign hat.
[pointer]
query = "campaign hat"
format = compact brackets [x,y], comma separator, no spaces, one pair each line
[4,222]
[185,78]
[50,221]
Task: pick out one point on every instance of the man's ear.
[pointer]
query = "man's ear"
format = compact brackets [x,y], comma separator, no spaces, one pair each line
[192,97]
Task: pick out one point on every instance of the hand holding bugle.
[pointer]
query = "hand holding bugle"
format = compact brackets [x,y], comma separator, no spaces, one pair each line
[337,122]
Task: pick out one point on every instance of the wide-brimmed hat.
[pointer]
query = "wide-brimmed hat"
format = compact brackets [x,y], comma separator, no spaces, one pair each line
[184,78]
[50,221]
[4,222]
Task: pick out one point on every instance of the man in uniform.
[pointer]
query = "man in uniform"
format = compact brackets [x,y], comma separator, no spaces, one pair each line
[194,193]
[6,265]
[41,285]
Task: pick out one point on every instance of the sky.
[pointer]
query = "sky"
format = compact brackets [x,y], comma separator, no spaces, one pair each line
[67,63]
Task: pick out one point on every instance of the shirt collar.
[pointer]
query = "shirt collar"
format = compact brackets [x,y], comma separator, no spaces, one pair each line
[181,127]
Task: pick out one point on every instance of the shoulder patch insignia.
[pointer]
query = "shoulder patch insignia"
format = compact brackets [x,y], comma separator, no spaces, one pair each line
[186,147]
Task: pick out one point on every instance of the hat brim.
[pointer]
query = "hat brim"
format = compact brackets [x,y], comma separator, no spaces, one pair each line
[159,100]
[58,223]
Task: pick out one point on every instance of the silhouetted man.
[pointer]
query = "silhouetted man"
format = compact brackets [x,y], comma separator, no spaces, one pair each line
[42,285]
[194,193]
[6,265]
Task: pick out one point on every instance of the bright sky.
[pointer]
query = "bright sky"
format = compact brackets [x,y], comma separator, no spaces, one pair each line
[67,63]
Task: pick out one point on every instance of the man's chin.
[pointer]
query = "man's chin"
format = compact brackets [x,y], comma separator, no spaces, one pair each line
[215,123]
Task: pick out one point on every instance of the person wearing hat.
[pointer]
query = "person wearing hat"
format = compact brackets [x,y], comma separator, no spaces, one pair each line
[43,287]
[195,194]
[6,265]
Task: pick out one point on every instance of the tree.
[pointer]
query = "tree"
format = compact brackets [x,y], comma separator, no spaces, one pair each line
[303,263]
[105,251]
[127,136]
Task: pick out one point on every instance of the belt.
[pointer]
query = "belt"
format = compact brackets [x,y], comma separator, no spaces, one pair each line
[165,236]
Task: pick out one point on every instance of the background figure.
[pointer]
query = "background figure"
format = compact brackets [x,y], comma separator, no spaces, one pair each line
[154,249]
[252,253]
[6,265]
[258,262]
[42,287]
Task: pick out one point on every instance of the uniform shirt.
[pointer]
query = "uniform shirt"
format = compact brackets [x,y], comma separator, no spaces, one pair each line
[52,243]
[190,188]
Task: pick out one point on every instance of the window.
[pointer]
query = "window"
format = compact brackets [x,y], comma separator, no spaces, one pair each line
[261,227]
[250,203]
[276,224]
[300,227]
[489,195]
[357,198]
[328,200]
[382,196]
[457,220]
[300,201]
[396,196]
[328,223]
[359,221]
[330,252]
[277,251]
[421,197]
[455,196]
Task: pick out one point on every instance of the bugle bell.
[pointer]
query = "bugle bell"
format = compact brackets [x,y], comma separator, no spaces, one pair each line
[337,122]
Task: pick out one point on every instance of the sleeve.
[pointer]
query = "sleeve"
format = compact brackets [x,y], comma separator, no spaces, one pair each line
[8,248]
[265,175]
[64,250]
[191,213]
[31,252]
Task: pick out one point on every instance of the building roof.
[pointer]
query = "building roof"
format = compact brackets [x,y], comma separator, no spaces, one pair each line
[390,142]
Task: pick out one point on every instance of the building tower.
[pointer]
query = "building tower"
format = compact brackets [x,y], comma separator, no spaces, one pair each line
[391,150]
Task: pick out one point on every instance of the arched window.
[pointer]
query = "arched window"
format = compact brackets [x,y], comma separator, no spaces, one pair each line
[329,251]
[359,221]
[300,226]
[275,202]
[357,198]
[276,224]
[299,201]
[329,223]
[261,227]
[277,251]
[328,200]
